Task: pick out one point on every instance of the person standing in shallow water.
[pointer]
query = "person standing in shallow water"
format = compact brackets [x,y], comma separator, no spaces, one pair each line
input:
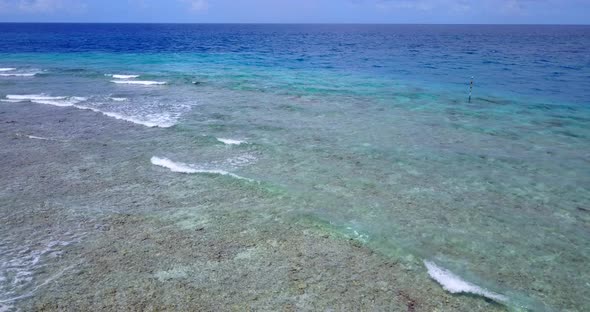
[470,88]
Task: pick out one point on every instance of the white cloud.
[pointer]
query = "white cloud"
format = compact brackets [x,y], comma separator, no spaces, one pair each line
[513,6]
[499,6]
[423,5]
[142,4]
[41,6]
[197,5]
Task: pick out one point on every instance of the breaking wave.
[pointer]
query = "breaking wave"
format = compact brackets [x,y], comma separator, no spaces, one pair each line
[190,169]
[139,82]
[123,76]
[455,284]
[230,141]
[162,120]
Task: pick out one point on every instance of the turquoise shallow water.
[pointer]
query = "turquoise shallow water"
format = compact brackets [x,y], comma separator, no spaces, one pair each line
[367,129]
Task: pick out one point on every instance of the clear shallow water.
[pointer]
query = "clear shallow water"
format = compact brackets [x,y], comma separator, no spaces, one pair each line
[365,127]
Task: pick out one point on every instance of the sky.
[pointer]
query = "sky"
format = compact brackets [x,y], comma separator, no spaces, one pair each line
[299,11]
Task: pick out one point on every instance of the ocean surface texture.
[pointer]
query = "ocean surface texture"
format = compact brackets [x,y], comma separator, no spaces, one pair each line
[366,130]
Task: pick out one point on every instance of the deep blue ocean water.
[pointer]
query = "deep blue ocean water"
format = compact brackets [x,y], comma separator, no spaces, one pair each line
[370,124]
[549,63]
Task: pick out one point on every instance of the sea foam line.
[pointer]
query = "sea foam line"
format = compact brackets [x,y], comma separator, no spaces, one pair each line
[19,75]
[38,138]
[7,69]
[454,284]
[187,168]
[139,82]
[118,76]
[150,124]
[32,97]
[230,141]
[34,137]
[64,101]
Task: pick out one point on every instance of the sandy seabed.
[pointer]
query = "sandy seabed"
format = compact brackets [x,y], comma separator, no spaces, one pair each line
[142,238]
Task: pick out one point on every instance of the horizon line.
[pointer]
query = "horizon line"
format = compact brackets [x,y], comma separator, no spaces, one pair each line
[304,23]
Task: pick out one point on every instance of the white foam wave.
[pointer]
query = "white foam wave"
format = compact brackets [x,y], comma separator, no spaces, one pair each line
[119,99]
[230,141]
[454,284]
[38,138]
[160,121]
[55,103]
[118,76]
[187,168]
[32,97]
[173,166]
[34,137]
[18,74]
[7,69]
[139,82]
[62,101]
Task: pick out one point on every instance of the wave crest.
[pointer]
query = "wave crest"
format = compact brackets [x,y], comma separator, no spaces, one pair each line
[118,76]
[18,74]
[139,82]
[160,120]
[230,141]
[62,101]
[190,169]
[454,284]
